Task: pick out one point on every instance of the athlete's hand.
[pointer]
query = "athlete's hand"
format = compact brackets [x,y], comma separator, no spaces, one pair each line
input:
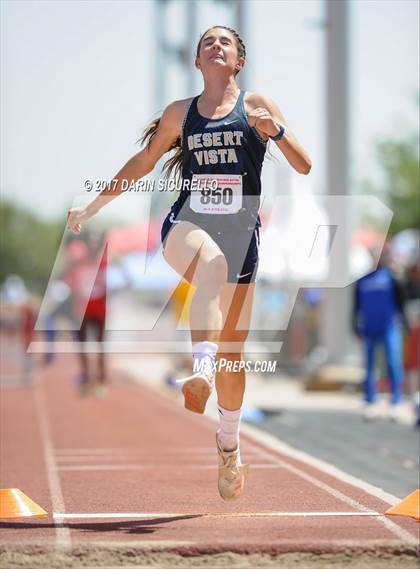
[262,119]
[75,216]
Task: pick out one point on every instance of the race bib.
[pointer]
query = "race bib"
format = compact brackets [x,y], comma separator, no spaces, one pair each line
[216,193]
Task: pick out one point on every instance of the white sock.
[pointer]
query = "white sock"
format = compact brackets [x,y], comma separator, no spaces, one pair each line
[229,428]
[202,350]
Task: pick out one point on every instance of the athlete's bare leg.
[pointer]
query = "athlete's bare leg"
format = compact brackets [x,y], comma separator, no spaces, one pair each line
[195,256]
[236,306]
[220,312]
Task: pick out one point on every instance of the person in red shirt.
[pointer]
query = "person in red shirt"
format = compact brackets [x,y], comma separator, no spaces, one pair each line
[89,306]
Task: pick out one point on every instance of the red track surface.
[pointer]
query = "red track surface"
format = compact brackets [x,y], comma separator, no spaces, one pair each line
[149,455]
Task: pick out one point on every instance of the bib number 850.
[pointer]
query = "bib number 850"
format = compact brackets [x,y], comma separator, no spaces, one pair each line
[218,196]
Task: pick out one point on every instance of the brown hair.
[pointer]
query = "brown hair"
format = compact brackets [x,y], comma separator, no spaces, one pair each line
[174,163]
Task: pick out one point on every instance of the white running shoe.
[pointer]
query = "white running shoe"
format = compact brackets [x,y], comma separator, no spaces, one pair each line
[397,414]
[371,411]
[231,472]
[197,388]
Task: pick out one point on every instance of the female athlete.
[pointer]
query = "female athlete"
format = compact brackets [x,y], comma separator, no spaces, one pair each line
[211,234]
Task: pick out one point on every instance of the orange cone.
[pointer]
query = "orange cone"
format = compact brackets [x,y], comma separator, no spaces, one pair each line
[15,504]
[410,506]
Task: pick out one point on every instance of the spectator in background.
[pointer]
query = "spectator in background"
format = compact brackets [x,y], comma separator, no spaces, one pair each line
[412,281]
[89,306]
[412,359]
[17,321]
[378,317]
[61,301]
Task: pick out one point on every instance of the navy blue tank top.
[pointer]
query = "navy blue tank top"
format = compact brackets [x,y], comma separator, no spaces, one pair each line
[227,148]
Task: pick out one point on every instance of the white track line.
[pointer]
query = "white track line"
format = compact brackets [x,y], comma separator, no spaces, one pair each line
[391,526]
[142,458]
[134,461]
[272,442]
[275,446]
[62,534]
[214,515]
[95,467]
[129,451]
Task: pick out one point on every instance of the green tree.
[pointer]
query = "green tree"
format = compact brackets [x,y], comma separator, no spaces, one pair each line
[28,245]
[399,160]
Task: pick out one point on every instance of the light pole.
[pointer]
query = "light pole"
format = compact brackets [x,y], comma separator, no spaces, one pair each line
[336,308]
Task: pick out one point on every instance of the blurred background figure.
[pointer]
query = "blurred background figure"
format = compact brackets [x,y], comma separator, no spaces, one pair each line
[378,318]
[89,305]
[17,320]
[412,351]
[60,299]
[180,310]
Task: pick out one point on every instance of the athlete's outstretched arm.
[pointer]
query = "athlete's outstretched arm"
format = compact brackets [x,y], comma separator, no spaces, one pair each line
[266,116]
[138,166]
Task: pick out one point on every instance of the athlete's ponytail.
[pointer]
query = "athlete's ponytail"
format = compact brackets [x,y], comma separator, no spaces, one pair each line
[174,163]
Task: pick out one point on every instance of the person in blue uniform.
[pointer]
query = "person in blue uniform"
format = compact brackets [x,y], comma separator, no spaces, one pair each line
[378,319]
[211,234]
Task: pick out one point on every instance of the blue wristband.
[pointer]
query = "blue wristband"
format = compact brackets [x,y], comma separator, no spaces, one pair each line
[279,135]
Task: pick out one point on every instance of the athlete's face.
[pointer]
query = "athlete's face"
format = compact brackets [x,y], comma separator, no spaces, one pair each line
[218,51]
